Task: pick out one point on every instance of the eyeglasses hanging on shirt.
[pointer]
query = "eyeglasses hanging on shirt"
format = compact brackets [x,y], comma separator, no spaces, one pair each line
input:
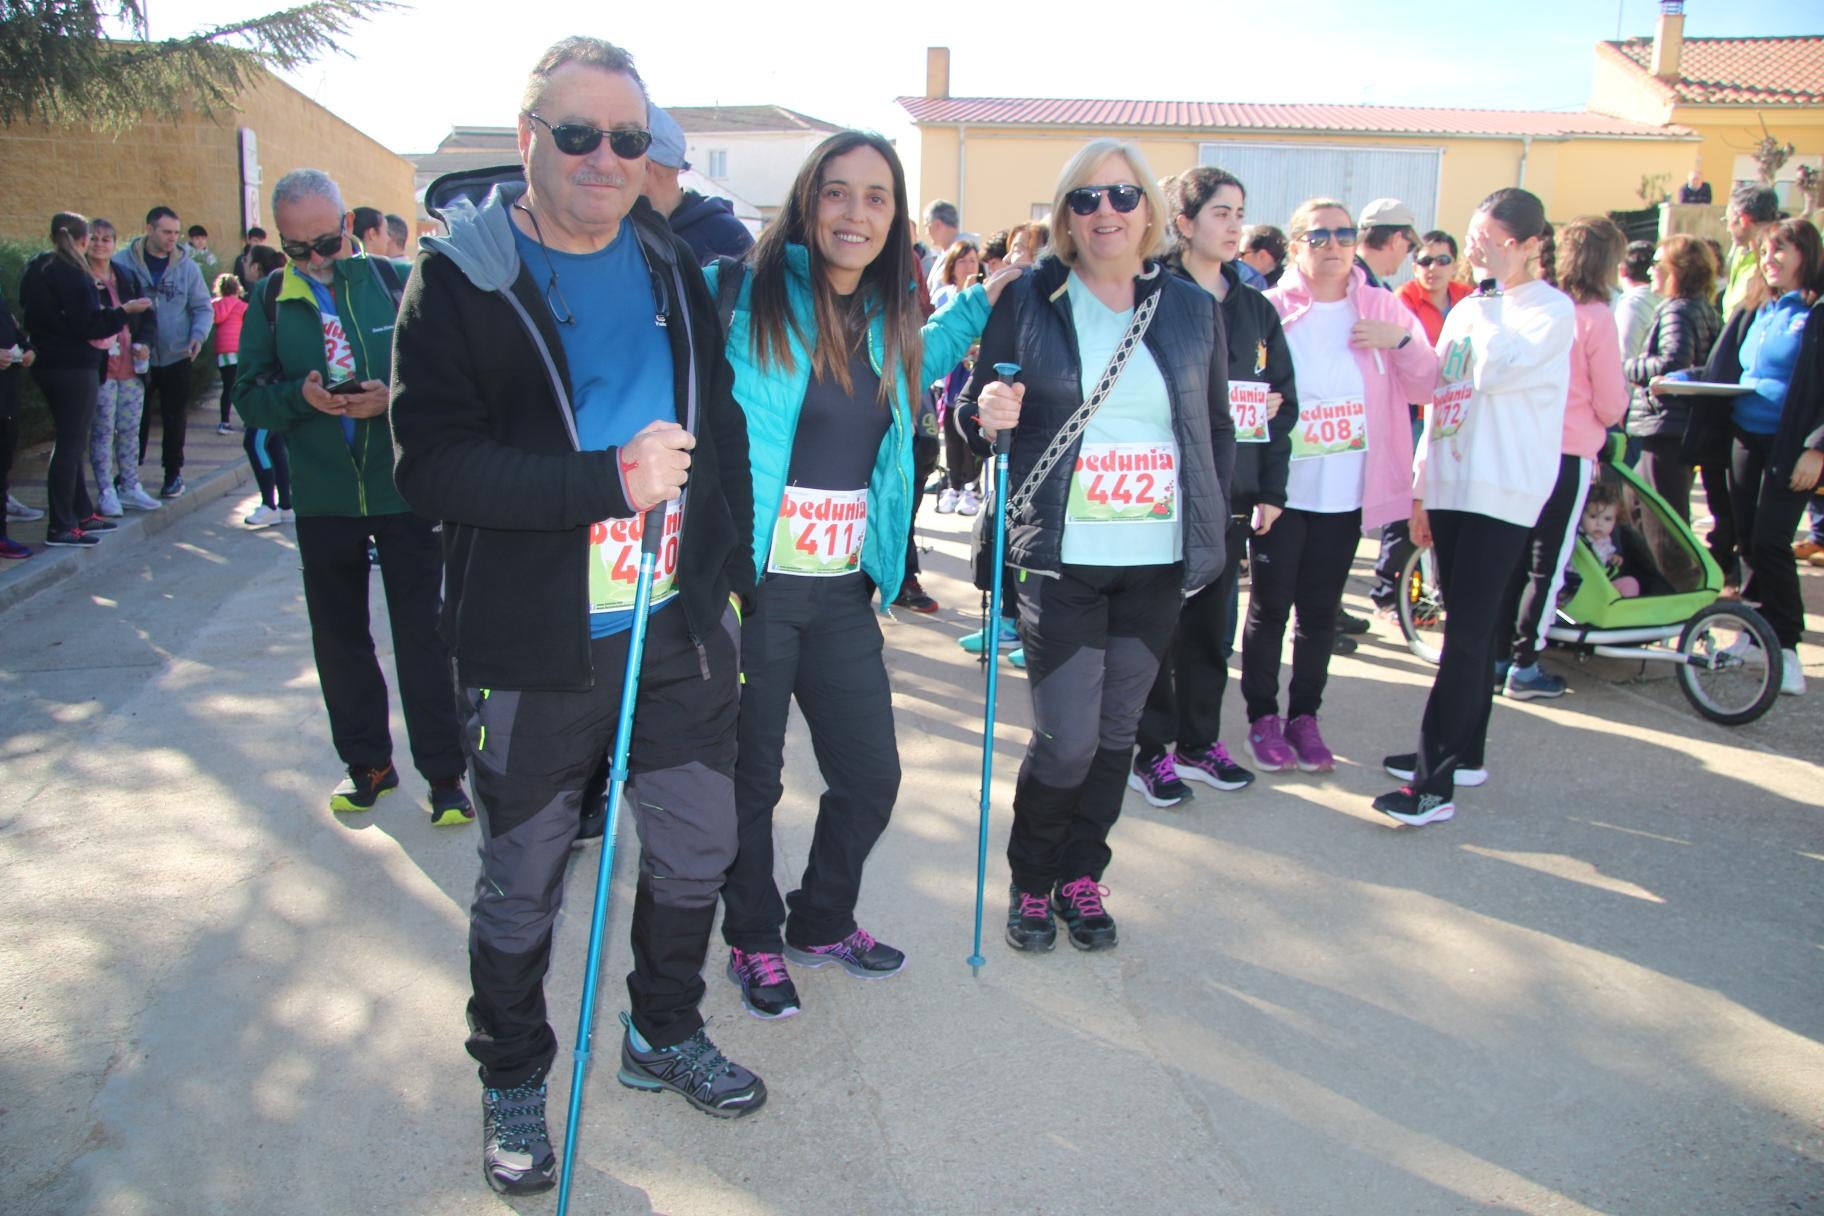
[554,294]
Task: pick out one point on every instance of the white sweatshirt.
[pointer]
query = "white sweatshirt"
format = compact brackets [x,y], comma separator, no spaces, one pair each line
[1508,357]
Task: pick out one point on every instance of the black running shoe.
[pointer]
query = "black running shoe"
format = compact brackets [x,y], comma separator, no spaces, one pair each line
[516,1156]
[450,806]
[913,596]
[362,788]
[858,954]
[1029,922]
[766,986]
[97,524]
[706,1078]
[174,487]
[1079,905]
[594,824]
[1345,623]
[1342,643]
[1409,806]
[75,538]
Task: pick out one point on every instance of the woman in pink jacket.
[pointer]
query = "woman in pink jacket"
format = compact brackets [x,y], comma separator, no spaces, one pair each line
[1358,357]
[1589,257]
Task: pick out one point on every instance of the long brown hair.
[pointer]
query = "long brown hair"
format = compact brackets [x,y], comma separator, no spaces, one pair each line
[1589,256]
[1799,236]
[887,284]
[67,228]
[1690,269]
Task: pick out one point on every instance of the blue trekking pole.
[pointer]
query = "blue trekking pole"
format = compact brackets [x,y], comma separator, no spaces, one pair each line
[650,539]
[1004,372]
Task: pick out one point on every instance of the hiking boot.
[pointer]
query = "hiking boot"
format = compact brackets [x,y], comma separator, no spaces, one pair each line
[1267,744]
[1411,807]
[913,597]
[174,488]
[766,987]
[946,502]
[135,498]
[706,1078]
[1213,766]
[363,787]
[516,1156]
[450,806]
[1029,923]
[108,505]
[19,511]
[1347,624]
[1079,905]
[262,516]
[1406,764]
[1313,755]
[858,954]
[1531,683]
[1157,780]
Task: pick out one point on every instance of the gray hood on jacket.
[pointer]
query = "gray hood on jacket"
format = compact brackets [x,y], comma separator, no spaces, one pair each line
[481,238]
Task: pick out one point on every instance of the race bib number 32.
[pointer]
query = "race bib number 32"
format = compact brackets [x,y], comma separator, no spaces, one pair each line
[1449,408]
[1124,483]
[1248,407]
[1334,426]
[819,532]
[614,562]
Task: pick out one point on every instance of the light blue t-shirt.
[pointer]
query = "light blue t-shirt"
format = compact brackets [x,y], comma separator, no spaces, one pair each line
[1131,479]
[619,356]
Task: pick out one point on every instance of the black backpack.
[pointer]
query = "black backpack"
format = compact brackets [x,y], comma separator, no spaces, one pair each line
[269,288]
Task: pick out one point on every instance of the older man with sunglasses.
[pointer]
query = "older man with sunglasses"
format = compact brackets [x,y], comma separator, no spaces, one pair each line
[560,375]
[316,354]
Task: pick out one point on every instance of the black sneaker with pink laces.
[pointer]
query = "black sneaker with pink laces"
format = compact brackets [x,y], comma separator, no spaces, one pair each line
[858,954]
[1029,923]
[1079,904]
[766,986]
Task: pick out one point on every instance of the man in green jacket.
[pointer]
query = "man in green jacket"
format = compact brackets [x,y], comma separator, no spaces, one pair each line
[316,359]
[1752,211]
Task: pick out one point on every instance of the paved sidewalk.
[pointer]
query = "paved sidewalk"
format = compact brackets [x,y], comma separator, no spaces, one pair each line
[1597,990]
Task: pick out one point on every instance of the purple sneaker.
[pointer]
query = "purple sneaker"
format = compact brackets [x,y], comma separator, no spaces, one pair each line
[1213,766]
[766,986]
[1313,756]
[1267,744]
[858,954]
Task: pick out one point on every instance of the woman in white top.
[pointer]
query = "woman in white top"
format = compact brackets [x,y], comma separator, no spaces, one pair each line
[1487,463]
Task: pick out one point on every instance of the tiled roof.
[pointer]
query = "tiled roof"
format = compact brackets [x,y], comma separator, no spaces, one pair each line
[705,120]
[1244,116]
[1738,71]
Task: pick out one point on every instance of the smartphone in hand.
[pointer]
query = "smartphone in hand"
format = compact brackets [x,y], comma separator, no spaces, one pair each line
[346,388]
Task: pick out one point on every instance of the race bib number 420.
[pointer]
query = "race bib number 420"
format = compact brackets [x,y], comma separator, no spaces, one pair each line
[819,532]
[1124,483]
[1332,426]
[1449,409]
[614,562]
[1248,407]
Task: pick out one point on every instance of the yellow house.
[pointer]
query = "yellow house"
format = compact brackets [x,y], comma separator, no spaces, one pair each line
[1732,92]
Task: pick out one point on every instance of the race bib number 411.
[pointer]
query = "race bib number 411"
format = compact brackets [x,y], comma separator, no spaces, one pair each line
[1124,483]
[614,562]
[1248,407]
[819,532]
[1334,426]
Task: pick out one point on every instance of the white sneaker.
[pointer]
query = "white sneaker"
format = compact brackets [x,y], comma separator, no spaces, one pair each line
[288,516]
[19,511]
[970,502]
[1792,678]
[264,517]
[946,502]
[109,507]
[136,499]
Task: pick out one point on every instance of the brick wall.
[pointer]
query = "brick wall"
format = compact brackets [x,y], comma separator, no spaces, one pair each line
[192,165]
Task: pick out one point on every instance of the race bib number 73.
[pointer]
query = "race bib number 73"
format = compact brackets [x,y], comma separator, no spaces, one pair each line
[1248,407]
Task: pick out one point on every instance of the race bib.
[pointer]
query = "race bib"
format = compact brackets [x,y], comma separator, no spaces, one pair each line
[1124,483]
[336,349]
[614,562]
[1248,407]
[819,532]
[1334,426]
[1449,409]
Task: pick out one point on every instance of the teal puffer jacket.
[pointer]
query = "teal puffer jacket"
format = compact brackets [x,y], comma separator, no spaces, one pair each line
[772,398]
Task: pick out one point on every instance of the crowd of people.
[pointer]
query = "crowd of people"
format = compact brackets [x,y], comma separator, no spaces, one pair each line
[588,352]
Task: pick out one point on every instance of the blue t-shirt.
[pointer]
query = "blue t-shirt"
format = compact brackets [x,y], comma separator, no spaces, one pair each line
[1769,353]
[326,309]
[156,267]
[619,356]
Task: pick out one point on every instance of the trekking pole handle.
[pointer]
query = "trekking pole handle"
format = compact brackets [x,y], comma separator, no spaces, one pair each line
[652,531]
[1005,373]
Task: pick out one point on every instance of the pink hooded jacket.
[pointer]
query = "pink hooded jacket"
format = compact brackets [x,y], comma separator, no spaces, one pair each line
[1392,378]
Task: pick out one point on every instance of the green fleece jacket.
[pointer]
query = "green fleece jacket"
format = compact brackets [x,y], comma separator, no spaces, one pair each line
[330,475]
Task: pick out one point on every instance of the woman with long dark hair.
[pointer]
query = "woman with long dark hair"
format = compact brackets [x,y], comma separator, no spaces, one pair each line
[1119,472]
[829,346]
[65,316]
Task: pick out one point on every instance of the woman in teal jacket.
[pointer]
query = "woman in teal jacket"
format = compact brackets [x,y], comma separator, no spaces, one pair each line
[828,341]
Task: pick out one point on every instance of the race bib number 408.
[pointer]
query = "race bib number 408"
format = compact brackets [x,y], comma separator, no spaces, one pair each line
[819,532]
[1248,407]
[614,562]
[1124,483]
[1332,426]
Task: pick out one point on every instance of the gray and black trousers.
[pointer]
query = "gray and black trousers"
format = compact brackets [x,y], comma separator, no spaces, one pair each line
[1094,637]
[530,755]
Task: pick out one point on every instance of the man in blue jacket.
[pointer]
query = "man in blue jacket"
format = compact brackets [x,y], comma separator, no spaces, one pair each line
[180,304]
[708,225]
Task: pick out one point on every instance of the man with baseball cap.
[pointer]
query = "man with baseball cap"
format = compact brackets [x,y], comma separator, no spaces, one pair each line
[707,224]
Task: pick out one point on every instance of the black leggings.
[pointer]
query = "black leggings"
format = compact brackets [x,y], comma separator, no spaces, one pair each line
[1303,562]
[1185,705]
[1532,594]
[229,371]
[71,394]
[271,462]
[9,440]
[961,464]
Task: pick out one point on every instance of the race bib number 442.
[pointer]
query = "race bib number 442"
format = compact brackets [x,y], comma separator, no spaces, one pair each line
[1124,483]
[614,562]
[819,532]
[1248,407]
[1331,426]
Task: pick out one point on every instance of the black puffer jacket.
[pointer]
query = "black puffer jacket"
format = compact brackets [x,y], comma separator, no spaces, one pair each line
[1032,326]
[1684,330]
[1258,352]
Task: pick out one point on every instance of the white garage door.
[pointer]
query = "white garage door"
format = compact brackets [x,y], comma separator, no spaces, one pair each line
[1279,177]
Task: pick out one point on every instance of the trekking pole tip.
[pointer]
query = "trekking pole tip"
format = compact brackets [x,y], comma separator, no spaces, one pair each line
[976,963]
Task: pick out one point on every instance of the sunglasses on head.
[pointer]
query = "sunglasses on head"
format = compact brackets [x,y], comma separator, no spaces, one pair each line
[1317,238]
[580,139]
[1084,200]
[1436,259]
[324,246]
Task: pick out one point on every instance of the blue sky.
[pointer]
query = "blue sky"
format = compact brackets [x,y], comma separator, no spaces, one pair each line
[409,76]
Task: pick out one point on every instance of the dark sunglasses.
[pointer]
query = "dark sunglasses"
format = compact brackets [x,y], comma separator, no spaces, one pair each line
[324,246]
[580,139]
[1317,238]
[1084,200]
[1441,259]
